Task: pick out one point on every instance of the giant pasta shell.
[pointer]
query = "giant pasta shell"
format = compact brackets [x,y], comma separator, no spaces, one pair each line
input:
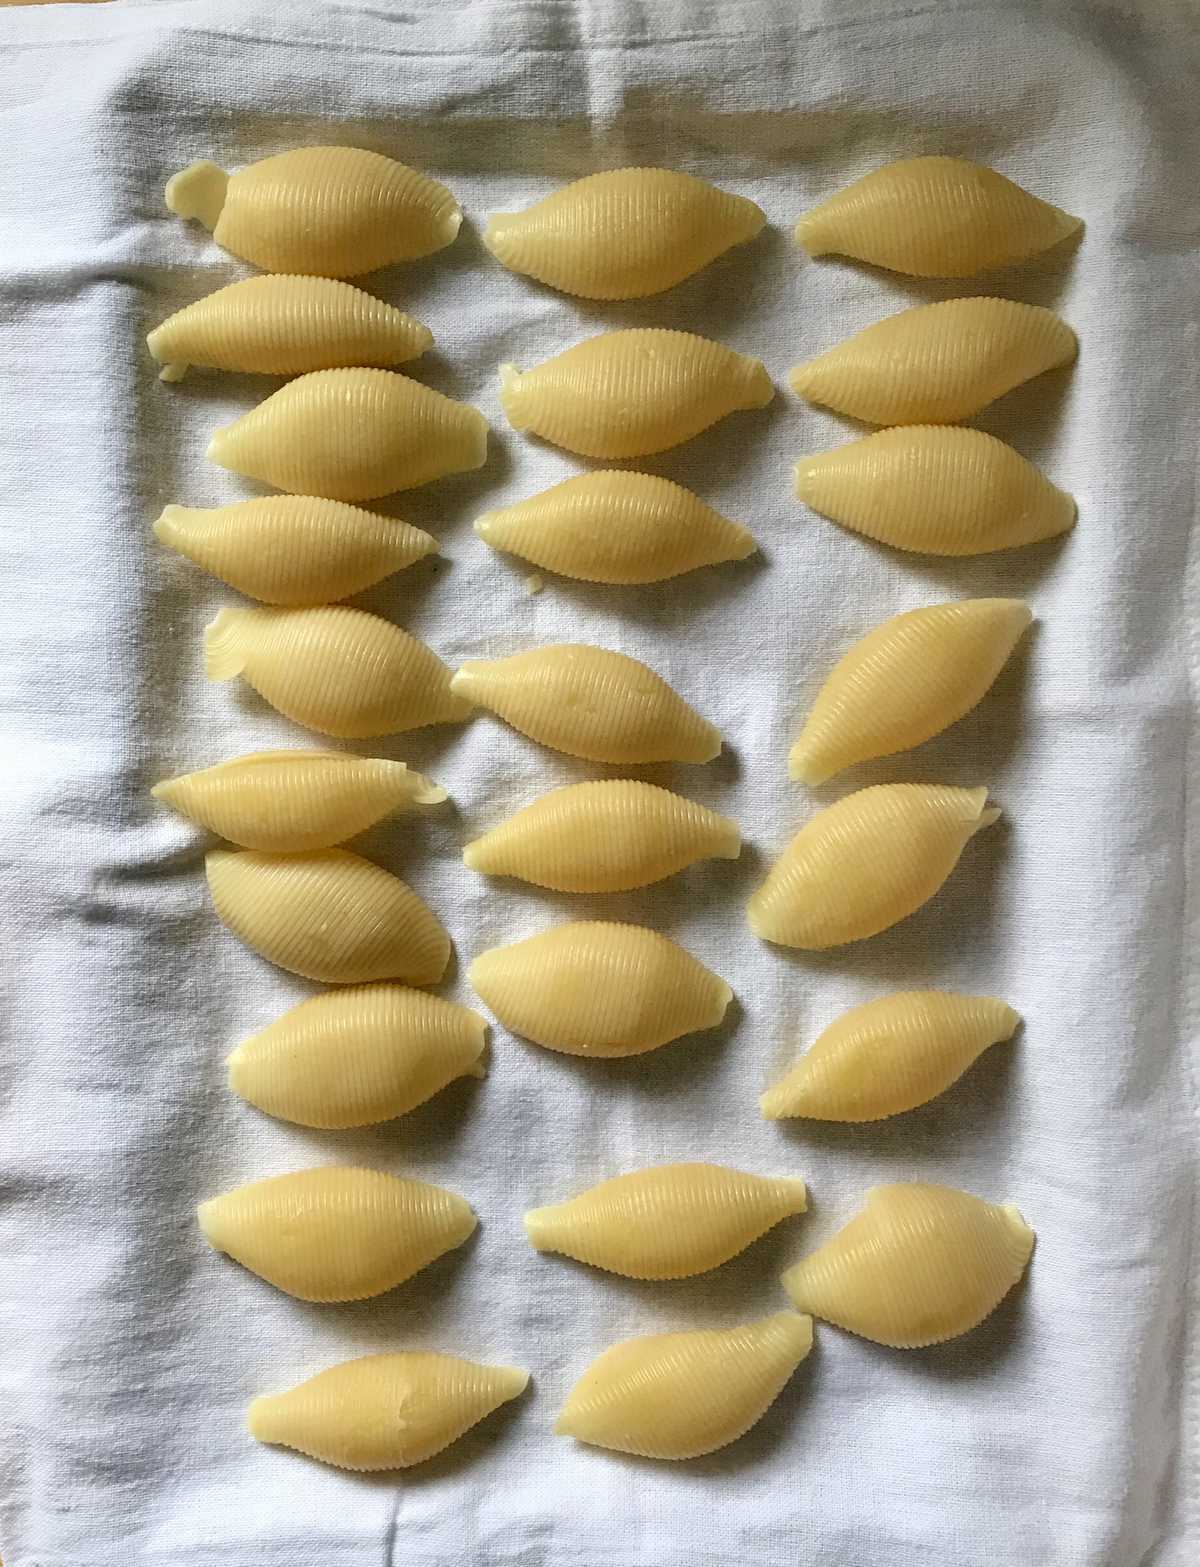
[934,217]
[334,669]
[889,1055]
[335,1233]
[598,988]
[625,394]
[934,364]
[590,702]
[351,435]
[918,1265]
[905,681]
[866,862]
[325,211]
[936,489]
[622,234]
[329,915]
[606,836]
[357,1056]
[384,1411]
[678,1395]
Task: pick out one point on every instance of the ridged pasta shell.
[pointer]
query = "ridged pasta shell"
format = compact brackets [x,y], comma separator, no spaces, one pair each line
[598,988]
[615,526]
[906,681]
[606,836]
[335,1233]
[889,1055]
[329,915]
[325,211]
[357,1056]
[384,1411]
[937,363]
[334,669]
[865,863]
[352,435]
[626,394]
[679,1395]
[934,217]
[622,234]
[936,489]
[919,1264]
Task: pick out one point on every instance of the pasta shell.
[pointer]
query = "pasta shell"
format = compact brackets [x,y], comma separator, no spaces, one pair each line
[337,670]
[666,1223]
[615,526]
[329,915]
[284,326]
[934,217]
[889,1055]
[625,394]
[938,363]
[678,1395]
[865,863]
[591,703]
[906,681]
[354,1057]
[935,489]
[606,836]
[622,234]
[351,435]
[335,1233]
[384,1411]
[919,1264]
[597,988]
[325,211]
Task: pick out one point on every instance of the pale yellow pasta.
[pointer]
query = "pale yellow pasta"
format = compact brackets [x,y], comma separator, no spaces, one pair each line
[678,1395]
[606,836]
[889,1055]
[918,1265]
[906,681]
[936,489]
[598,988]
[352,435]
[324,211]
[937,363]
[329,915]
[625,394]
[335,1233]
[384,1411]
[866,862]
[934,217]
[622,234]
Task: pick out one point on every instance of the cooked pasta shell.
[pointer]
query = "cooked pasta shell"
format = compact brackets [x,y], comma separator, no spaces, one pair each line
[597,988]
[678,1395]
[625,394]
[352,435]
[325,211]
[618,527]
[334,669]
[622,234]
[866,862]
[384,1411]
[934,217]
[918,1265]
[938,363]
[606,836]
[335,1233]
[906,681]
[357,1056]
[935,489]
[889,1055]
[329,915]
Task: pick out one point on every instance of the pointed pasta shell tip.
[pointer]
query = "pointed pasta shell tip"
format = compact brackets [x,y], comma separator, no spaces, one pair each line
[224,648]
